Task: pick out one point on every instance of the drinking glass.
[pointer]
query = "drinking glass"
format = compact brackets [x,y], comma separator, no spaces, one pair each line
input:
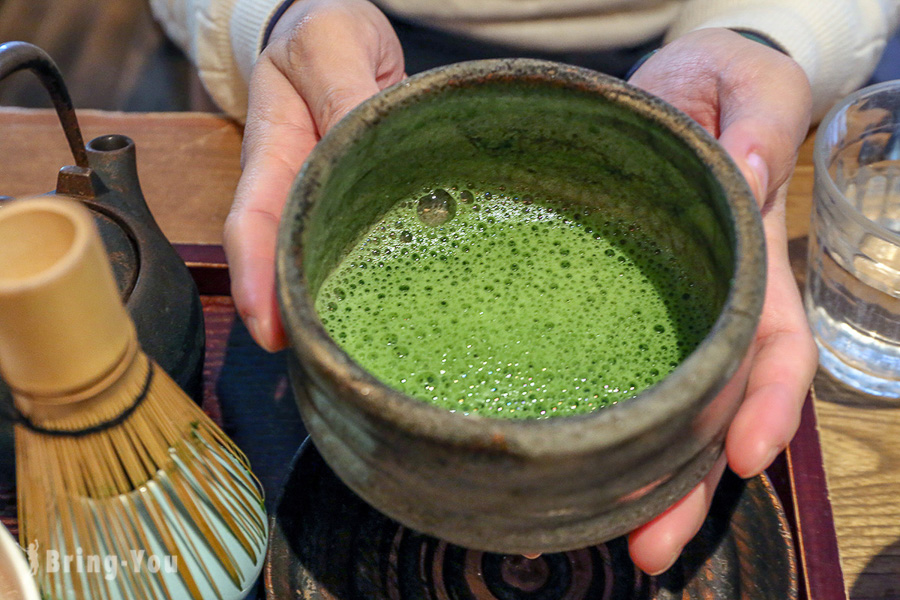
[853,282]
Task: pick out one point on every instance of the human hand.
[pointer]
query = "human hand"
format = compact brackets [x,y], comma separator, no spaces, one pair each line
[323,58]
[756,101]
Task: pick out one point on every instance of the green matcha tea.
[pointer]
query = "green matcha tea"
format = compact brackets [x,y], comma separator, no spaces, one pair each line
[508,306]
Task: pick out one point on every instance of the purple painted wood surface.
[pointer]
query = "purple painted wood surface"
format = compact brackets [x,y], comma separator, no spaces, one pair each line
[247,393]
[814,519]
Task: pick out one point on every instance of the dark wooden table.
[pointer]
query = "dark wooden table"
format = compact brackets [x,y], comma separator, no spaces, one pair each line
[189,165]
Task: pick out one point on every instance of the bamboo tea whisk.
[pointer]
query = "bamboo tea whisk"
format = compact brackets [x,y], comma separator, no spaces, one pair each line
[126,489]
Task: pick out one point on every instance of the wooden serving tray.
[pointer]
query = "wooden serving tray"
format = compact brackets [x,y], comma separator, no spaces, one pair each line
[189,166]
[246,391]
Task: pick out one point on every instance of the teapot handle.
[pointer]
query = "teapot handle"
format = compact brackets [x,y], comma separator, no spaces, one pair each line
[18,56]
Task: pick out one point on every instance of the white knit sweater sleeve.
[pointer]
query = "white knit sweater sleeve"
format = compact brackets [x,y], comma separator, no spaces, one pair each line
[837,42]
[222,38]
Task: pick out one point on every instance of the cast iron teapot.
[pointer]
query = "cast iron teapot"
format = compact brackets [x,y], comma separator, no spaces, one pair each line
[153,280]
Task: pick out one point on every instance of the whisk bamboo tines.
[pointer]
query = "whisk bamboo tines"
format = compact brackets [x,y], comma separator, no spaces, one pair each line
[126,489]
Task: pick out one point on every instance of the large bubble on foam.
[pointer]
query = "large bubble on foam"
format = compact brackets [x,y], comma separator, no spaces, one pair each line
[436,208]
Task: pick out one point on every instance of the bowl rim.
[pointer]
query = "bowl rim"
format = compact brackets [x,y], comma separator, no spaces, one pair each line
[708,368]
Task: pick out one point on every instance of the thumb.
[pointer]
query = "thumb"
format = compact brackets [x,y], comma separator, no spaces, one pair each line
[337,57]
[763,152]
[754,99]
[760,131]
[306,81]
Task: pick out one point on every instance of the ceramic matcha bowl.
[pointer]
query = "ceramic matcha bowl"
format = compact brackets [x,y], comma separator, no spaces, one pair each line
[528,485]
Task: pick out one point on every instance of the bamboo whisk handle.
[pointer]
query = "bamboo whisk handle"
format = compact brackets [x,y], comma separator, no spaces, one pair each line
[63,327]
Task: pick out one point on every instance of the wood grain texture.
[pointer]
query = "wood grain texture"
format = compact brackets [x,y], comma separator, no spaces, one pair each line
[188,163]
[812,519]
[799,195]
[114,57]
[860,439]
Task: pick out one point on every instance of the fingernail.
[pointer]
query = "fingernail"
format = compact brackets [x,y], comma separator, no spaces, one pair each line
[761,174]
[253,327]
[764,464]
[668,565]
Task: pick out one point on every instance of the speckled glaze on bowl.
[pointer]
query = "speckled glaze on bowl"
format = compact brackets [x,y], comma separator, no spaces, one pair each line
[517,486]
